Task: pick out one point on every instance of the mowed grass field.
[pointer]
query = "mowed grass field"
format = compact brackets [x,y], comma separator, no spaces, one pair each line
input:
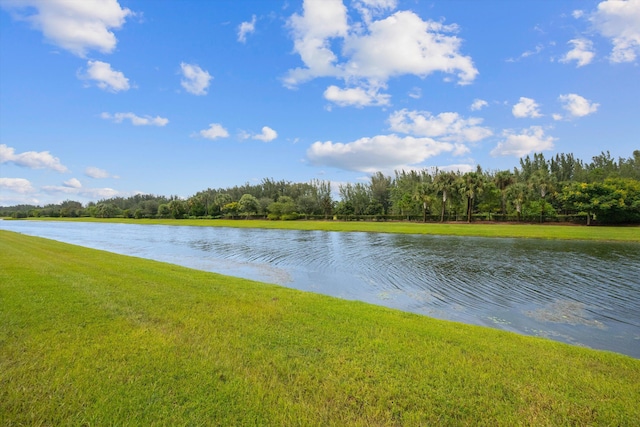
[93,338]
[478,229]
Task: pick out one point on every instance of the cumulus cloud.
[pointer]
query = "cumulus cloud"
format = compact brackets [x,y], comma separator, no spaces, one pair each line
[97,173]
[357,97]
[527,141]
[76,26]
[16,185]
[31,159]
[527,107]
[619,21]
[267,135]
[214,131]
[478,104]
[372,51]
[379,153]
[582,52]
[246,28]
[576,105]
[195,80]
[135,119]
[450,127]
[72,183]
[105,77]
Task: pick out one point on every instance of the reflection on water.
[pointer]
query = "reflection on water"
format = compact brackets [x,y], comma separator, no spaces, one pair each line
[583,293]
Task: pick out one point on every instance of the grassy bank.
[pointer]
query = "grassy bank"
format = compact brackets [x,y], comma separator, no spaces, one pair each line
[536,231]
[93,338]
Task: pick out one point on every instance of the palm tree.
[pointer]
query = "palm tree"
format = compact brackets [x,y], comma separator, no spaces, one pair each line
[503,179]
[517,193]
[423,193]
[472,185]
[444,182]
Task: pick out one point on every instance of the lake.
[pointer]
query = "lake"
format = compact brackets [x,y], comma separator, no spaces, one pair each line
[582,293]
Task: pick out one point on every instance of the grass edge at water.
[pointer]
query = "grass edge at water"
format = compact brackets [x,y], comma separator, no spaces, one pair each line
[91,337]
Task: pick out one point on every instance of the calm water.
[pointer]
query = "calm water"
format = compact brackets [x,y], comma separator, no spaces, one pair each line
[583,293]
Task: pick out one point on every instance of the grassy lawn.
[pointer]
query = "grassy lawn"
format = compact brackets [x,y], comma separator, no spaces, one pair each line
[537,231]
[93,338]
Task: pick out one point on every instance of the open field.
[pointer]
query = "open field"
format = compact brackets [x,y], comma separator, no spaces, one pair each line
[536,231]
[92,338]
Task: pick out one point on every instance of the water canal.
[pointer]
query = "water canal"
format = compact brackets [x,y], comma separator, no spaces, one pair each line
[583,293]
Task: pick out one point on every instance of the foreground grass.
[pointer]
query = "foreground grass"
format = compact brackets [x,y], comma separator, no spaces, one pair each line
[537,231]
[93,338]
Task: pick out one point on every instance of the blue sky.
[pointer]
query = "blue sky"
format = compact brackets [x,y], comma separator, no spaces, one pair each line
[102,98]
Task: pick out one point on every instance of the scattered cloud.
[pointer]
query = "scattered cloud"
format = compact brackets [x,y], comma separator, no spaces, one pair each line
[478,104]
[619,21]
[195,80]
[267,135]
[105,77]
[526,107]
[97,173]
[31,159]
[450,127]
[372,8]
[539,48]
[214,131]
[246,28]
[576,105]
[357,97]
[577,13]
[76,26]
[135,120]
[72,183]
[415,93]
[582,52]
[378,153]
[16,185]
[526,142]
[73,187]
[372,51]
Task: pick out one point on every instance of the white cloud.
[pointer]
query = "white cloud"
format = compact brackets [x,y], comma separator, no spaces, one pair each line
[577,106]
[267,134]
[448,126]
[72,183]
[620,22]
[358,97]
[105,76]
[528,141]
[373,51]
[478,104]
[379,153]
[577,13]
[582,52]
[370,8]
[76,26]
[97,173]
[69,189]
[214,131]
[246,28]
[415,93]
[31,159]
[527,107]
[539,48]
[136,120]
[195,80]
[16,185]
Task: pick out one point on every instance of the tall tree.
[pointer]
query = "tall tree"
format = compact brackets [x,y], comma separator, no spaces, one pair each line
[444,183]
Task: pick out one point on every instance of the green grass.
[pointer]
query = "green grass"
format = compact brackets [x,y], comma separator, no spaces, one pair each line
[93,338]
[537,231]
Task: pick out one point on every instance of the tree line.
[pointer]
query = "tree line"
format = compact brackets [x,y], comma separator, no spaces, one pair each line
[561,188]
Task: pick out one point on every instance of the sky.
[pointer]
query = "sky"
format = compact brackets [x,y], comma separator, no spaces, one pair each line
[105,98]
